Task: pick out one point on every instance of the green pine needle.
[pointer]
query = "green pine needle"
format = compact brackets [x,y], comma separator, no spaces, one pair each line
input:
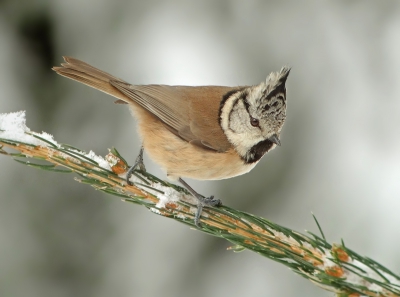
[332,267]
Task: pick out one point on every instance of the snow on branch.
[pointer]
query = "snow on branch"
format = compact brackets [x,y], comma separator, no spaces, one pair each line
[333,267]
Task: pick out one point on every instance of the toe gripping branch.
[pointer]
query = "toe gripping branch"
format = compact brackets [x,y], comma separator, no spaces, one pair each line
[201,200]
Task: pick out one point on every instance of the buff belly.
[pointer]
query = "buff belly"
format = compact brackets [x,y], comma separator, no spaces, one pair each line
[180,158]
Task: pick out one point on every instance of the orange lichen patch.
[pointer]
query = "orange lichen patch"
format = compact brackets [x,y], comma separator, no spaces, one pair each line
[354,295]
[310,255]
[340,254]
[171,205]
[119,168]
[47,154]
[117,165]
[266,238]
[334,271]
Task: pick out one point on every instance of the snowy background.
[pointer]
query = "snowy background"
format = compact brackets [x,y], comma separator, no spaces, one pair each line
[340,154]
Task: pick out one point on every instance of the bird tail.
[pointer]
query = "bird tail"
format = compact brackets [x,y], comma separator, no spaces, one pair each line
[91,76]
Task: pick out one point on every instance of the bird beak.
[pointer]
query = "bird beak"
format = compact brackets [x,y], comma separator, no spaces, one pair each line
[274,138]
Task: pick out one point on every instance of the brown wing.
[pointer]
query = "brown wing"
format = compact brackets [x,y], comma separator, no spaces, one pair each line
[190,112]
[204,117]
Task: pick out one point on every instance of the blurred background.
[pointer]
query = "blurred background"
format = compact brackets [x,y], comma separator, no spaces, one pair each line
[340,154]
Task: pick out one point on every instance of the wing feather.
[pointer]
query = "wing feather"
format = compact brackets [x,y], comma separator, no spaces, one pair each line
[192,113]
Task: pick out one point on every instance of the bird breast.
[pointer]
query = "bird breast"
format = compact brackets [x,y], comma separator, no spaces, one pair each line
[182,159]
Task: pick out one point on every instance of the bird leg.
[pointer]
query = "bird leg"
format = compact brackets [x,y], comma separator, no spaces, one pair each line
[201,201]
[138,163]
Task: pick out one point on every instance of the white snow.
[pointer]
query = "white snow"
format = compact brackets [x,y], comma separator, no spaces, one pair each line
[13,127]
[100,160]
[112,159]
[356,279]
[351,277]
[170,195]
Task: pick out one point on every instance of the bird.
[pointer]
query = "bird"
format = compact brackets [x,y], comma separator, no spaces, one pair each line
[198,132]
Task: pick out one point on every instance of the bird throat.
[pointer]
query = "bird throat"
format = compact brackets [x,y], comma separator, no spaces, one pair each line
[257,151]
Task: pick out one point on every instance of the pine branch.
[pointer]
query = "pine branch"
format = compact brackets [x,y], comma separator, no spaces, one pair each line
[333,267]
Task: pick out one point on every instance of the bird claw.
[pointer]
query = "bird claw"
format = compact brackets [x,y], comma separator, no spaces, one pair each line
[204,201]
[138,163]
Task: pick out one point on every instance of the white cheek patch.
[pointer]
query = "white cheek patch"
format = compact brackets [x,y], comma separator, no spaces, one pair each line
[225,112]
[241,140]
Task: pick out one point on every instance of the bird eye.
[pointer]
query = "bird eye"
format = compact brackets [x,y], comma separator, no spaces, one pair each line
[254,122]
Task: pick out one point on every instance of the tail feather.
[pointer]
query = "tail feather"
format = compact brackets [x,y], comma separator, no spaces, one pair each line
[90,76]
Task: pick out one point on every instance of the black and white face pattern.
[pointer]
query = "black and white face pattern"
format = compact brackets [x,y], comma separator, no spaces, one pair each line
[252,117]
